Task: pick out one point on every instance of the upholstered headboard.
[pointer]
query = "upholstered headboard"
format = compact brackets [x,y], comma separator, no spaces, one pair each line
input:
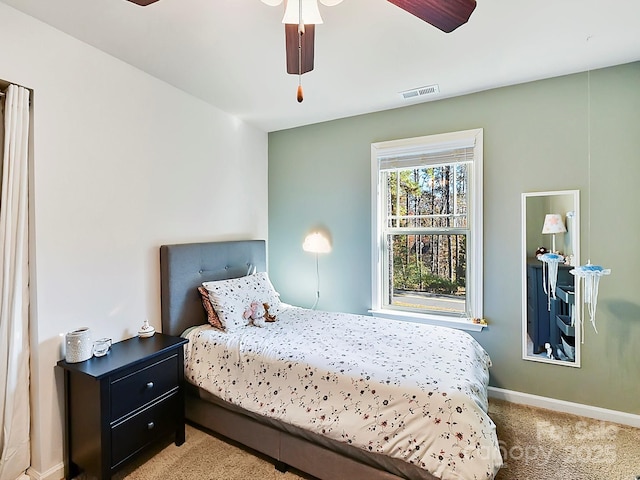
[184,267]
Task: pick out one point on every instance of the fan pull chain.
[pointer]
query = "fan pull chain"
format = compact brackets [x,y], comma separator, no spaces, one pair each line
[300,93]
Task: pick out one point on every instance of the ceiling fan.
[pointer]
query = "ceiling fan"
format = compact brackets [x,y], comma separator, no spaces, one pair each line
[301,17]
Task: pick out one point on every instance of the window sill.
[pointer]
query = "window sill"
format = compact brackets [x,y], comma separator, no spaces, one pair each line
[460,324]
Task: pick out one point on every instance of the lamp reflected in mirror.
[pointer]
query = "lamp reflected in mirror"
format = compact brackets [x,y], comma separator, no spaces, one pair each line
[549,313]
[553,223]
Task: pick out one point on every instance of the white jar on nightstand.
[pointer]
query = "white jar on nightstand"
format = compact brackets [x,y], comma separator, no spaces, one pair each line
[79,346]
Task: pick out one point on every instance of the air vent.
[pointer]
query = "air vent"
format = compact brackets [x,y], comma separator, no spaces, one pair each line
[420,91]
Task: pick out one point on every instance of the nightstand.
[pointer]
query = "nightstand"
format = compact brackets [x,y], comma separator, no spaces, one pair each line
[539,318]
[118,404]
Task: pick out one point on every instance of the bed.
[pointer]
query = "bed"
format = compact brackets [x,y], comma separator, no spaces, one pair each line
[388,420]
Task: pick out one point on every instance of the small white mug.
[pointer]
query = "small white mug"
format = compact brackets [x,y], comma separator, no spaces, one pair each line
[101,347]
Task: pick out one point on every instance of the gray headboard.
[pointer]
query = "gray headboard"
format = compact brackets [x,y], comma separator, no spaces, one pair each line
[184,267]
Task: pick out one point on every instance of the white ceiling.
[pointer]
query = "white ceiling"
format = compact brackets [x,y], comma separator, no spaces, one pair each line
[230,53]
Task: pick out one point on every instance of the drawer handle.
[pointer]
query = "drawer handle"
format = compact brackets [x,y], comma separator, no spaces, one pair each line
[150,385]
[150,425]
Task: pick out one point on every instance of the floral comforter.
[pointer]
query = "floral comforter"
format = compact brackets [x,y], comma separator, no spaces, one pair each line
[409,391]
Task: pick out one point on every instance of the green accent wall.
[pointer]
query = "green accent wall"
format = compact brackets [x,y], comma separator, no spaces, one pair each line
[536,138]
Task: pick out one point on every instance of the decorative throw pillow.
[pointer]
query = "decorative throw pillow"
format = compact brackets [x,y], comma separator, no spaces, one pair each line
[212,316]
[230,298]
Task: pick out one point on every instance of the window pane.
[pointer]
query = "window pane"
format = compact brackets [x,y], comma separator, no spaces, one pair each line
[428,197]
[428,272]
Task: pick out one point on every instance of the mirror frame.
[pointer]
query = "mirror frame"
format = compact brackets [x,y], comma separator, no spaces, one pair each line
[575,246]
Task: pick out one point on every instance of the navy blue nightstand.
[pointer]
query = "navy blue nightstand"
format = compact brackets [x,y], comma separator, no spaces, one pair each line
[118,404]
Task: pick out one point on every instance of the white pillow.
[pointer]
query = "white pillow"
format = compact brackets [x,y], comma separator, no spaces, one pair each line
[230,298]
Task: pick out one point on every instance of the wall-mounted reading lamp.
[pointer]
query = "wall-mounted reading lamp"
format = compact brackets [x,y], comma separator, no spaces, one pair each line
[316,243]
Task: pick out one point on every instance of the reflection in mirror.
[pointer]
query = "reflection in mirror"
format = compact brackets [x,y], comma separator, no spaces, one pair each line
[550,248]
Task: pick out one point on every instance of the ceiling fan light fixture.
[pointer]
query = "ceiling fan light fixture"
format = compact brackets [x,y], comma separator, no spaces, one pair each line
[310,12]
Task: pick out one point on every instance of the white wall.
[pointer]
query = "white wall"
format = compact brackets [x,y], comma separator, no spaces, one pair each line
[122,163]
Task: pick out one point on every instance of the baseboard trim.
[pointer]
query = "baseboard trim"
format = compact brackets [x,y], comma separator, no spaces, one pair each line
[54,473]
[589,411]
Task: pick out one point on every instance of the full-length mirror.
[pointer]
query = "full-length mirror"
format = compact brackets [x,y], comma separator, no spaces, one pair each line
[550,249]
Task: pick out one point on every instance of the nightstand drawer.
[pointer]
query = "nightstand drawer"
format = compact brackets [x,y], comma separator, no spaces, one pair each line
[146,426]
[143,385]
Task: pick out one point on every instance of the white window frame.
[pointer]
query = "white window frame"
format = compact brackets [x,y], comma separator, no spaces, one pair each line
[426,144]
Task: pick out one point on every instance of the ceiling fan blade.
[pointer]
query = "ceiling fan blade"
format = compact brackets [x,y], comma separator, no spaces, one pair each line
[307,43]
[143,3]
[447,15]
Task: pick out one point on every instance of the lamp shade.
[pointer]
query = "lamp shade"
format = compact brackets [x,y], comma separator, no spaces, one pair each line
[310,12]
[316,243]
[553,223]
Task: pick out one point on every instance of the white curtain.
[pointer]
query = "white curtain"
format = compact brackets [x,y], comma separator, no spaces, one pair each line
[14,288]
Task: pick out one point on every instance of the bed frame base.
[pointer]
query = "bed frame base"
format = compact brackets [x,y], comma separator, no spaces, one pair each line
[285,449]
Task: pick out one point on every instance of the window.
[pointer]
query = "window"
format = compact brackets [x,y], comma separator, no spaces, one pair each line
[427,228]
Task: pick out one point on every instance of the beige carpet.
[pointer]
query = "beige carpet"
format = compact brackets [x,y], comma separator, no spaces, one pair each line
[203,457]
[536,444]
[542,444]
